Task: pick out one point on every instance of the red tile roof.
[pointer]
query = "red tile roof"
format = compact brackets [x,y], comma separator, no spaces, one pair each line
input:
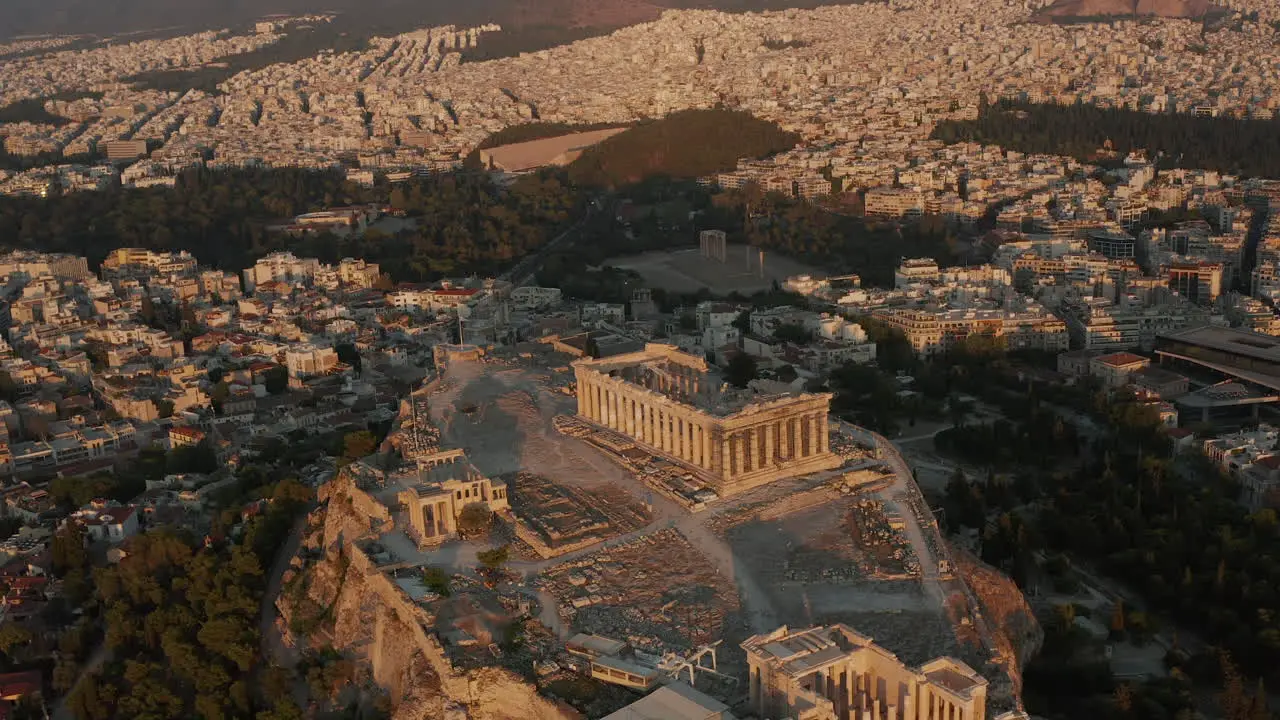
[19,684]
[1121,359]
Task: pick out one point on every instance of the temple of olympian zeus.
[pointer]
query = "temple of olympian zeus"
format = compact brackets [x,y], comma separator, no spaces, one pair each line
[667,400]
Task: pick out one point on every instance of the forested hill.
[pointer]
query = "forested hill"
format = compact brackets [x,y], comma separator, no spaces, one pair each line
[1245,147]
[465,222]
[685,144]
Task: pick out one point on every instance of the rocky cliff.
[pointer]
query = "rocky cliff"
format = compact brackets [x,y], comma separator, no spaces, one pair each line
[336,594]
[1017,634]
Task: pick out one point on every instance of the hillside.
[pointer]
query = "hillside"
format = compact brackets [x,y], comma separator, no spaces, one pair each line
[686,144]
[1100,8]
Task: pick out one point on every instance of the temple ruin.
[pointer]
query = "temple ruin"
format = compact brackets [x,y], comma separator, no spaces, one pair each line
[670,402]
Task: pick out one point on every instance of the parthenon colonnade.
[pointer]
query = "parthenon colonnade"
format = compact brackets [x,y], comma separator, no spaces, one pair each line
[650,407]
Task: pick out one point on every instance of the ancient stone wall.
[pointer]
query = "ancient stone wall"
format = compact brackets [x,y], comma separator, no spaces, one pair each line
[374,620]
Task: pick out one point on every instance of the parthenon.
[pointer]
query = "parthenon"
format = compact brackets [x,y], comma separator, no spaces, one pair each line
[670,402]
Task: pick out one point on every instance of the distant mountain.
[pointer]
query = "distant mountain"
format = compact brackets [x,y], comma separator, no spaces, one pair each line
[1100,8]
[112,17]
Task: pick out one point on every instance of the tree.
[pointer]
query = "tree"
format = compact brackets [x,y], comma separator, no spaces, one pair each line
[741,370]
[13,636]
[348,354]
[68,550]
[358,444]
[474,520]
[436,580]
[219,394]
[276,380]
[793,333]
[494,558]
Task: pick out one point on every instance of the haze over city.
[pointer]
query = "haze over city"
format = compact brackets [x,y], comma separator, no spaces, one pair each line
[552,359]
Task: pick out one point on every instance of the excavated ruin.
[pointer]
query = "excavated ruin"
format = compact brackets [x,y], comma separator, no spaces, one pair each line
[365,615]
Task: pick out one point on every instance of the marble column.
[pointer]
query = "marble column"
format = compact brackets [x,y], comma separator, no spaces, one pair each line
[708,449]
[769,430]
[738,451]
[797,438]
[691,441]
[813,433]
[599,413]
[824,437]
[726,456]
[753,449]
[695,433]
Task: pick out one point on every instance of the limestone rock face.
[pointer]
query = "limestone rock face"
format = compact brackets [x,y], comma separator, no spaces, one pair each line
[1018,634]
[373,621]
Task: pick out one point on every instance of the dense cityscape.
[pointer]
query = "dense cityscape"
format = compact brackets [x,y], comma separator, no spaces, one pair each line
[906,360]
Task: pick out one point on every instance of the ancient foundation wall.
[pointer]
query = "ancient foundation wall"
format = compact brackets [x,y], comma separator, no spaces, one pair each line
[393,632]
[535,541]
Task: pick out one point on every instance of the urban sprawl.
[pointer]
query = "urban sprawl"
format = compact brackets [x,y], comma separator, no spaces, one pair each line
[633,473]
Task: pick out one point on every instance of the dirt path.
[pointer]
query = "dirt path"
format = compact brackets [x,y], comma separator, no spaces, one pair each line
[891,497]
[272,644]
[99,656]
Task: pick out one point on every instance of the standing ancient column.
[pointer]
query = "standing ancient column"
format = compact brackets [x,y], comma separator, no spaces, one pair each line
[738,452]
[725,466]
[813,433]
[708,448]
[797,438]
[753,449]
[769,431]
[824,434]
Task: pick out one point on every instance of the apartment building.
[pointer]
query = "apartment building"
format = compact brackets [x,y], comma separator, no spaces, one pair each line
[1199,282]
[305,361]
[142,263]
[933,331]
[281,267]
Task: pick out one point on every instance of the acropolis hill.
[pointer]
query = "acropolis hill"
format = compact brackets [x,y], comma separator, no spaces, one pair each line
[665,535]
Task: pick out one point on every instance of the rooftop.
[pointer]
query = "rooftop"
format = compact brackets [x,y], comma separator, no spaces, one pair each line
[1121,359]
[676,701]
[1232,340]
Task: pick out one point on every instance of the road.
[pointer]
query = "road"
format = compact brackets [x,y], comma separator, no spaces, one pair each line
[272,645]
[99,656]
[526,269]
